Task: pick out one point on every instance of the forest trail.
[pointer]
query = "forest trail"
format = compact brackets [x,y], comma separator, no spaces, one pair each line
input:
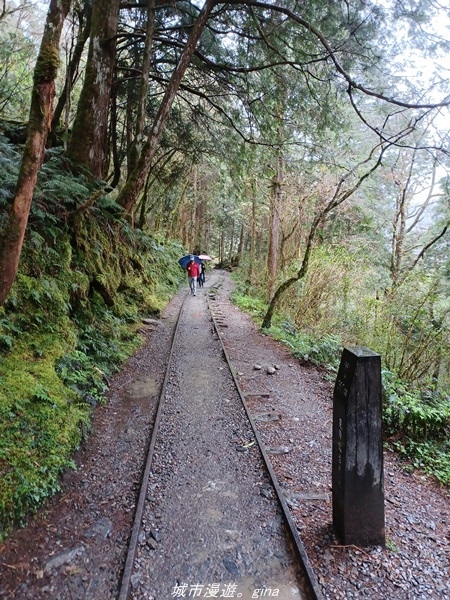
[77,541]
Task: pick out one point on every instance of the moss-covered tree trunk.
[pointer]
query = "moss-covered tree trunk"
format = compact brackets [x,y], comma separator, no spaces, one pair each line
[13,229]
[88,145]
[130,192]
[63,104]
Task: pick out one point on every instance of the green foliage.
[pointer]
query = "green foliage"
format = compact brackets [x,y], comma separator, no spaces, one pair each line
[409,326]
[79,372]
[416,415]
[86,280]
[324,350]
[40,424]
[418,426]
[251,304]
[9,161]
[325,300]
[320,351]
[17,58]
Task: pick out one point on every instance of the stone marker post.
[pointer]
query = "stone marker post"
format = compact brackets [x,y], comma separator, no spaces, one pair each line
[358,482]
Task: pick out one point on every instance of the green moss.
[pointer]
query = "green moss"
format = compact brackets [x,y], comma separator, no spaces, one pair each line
[71,318]
[40,425]
[47,65]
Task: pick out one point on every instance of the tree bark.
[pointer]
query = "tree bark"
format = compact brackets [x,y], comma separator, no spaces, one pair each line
[129,194]
[240,249]
[88,144]
[136,144]
[72,69]
[252,232]
[43,93]
[267,321]
[274,225]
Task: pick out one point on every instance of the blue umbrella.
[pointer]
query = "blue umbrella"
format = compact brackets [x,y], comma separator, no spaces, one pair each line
[184,260]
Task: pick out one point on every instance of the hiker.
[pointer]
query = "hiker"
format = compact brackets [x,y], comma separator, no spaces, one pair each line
[201,279]
[193,271]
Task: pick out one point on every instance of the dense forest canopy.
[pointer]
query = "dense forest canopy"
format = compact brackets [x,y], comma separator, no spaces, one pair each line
[305,144]
[322,121]
[339,109]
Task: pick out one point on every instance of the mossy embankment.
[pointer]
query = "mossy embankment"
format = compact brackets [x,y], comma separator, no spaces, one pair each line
[86,280]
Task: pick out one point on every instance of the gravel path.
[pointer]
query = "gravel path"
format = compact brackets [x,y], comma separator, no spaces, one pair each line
[211,508]
[75,548]
[294,412]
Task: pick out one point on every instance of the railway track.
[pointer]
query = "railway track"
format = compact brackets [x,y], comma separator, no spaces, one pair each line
[210,520]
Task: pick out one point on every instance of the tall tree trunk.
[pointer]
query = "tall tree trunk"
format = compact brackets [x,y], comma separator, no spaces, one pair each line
[222,247]
[129,194]
[88,144]
[200,224]
[84,17]
[240,249]
[230,253]
[136,145]
[274,225]
[193,212]
[398,237]
[252,235]
[13,230]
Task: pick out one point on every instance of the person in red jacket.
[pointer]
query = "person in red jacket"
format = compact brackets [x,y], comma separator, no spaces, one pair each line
[193,271]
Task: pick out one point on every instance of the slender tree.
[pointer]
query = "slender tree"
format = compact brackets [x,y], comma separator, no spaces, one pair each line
[73,69]
[130,192]
[341,194]
[274,223]
[136,146]
[13,230]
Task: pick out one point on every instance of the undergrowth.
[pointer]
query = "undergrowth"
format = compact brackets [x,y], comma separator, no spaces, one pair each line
[86,280]
[416,422]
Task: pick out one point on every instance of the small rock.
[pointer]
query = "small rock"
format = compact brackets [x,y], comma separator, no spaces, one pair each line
[63,557]
[135,579]
[101,528]
[266,491]
[155,535]
[271,370]
[231,566]
[152,544]
[142,538]
[279,450]
[150,321]
[257,367]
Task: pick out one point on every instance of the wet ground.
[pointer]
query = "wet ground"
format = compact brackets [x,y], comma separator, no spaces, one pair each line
[75,547]
[211,506]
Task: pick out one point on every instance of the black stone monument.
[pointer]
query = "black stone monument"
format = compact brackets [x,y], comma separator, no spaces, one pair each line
[357,478]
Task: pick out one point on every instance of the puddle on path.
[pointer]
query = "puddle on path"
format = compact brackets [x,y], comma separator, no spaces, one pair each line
[143,388]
